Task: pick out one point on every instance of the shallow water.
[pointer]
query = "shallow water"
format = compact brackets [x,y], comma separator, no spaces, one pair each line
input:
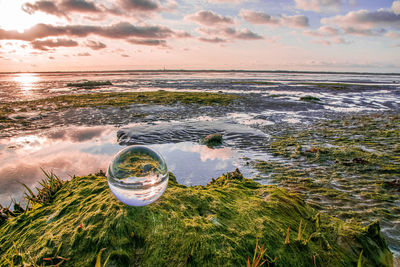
[82,141]
[81,150]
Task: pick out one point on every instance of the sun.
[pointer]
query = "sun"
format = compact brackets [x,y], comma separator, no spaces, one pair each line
[12,17]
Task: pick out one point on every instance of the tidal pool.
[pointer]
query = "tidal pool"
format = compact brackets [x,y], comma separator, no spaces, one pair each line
[78,151]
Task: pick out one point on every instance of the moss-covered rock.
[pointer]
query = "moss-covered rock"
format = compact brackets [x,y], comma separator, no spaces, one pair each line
[213,225]
[211,140]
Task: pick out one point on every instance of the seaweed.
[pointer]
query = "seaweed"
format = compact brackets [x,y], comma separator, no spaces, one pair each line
[89,84]
[218,224]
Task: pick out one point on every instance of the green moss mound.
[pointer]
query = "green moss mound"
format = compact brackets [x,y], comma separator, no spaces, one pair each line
[309,98]
[213,225]
[89,84]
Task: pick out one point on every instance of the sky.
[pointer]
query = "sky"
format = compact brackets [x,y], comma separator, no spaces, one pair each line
[310,35]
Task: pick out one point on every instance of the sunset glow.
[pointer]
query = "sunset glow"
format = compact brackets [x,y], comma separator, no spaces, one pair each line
[351,35]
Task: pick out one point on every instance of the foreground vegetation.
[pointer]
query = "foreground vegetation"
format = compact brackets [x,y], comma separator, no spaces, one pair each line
[232,221]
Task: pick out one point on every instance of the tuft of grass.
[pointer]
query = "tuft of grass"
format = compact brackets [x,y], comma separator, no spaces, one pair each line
[50,185]
[260,257]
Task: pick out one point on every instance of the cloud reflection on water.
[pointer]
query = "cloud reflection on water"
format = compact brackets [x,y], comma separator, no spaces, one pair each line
[82,150]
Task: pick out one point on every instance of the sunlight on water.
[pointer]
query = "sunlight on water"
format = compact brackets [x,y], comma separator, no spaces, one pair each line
[26,80]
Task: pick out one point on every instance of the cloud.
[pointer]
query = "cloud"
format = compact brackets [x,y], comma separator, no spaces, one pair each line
[245,34]
[209,18]
[319,5]
[64,8]
[86,54]
[79,6]
[214,40]
[61,8]
[140,5]
[228,32]
[46,44]
[48,7]
[396,7]
[364,22]
[254,17]
[323,31]
[122,30]
[124,55]
[95,45]
[226,1]
[337,40]
[149,42]
[393,35]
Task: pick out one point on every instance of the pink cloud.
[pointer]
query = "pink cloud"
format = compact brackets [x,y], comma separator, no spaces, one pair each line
[396,7]
[214,40]
[46,44]
[364,22]
[255,17]
[95,45]
[323,31]
[319,5]
[149,42]
[209,18]
[122,30]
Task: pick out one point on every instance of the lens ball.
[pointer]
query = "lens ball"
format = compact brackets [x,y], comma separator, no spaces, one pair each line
[137,175]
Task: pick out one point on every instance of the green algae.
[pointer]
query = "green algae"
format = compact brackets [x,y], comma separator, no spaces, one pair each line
[254,82]
[347,168]
[218,224]
[89,84]
[104,100]
[309,98]
[336,86]
[212,140]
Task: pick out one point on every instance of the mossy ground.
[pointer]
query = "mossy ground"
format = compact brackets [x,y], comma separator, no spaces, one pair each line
[214,225]
[346,167]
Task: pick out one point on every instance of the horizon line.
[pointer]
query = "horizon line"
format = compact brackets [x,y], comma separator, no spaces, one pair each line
[205,70]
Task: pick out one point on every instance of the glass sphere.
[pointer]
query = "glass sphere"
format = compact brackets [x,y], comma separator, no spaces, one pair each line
[137,175]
